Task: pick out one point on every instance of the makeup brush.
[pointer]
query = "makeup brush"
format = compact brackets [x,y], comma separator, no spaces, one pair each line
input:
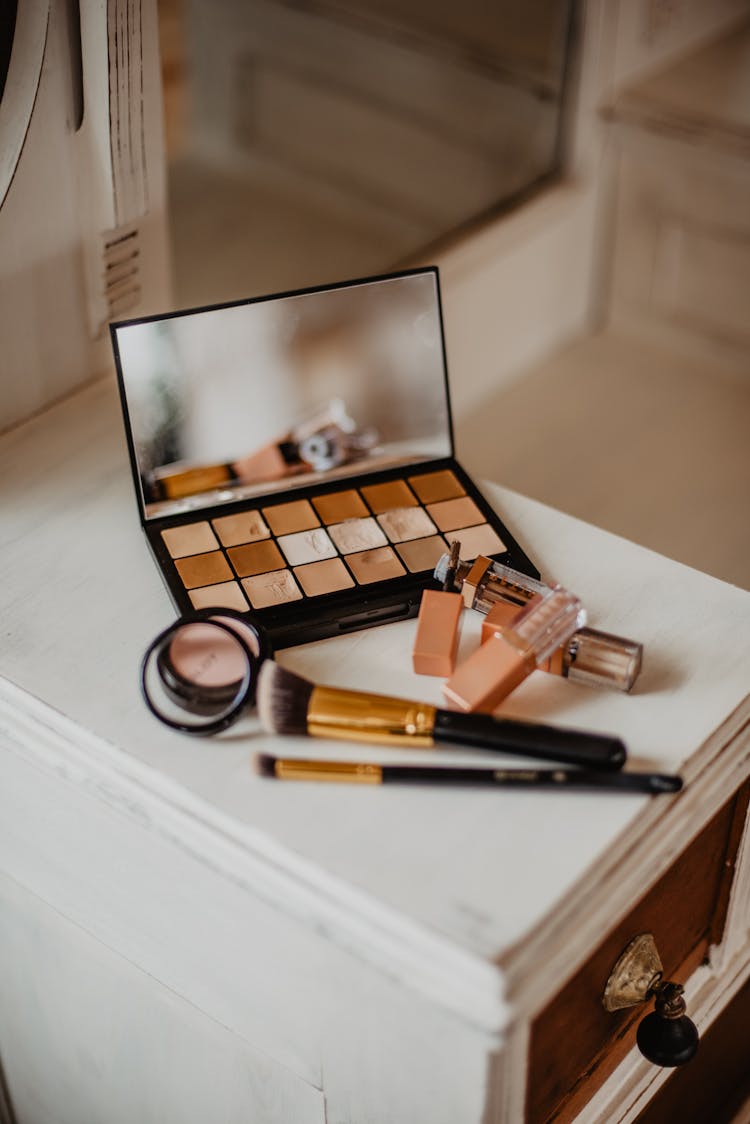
[290,704]
[353,772]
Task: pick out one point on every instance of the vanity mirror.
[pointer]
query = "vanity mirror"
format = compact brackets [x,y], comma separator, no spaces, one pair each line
[321,140]
[293,455]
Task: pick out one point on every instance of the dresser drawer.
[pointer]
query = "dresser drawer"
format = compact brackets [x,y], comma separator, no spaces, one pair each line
[575,1044]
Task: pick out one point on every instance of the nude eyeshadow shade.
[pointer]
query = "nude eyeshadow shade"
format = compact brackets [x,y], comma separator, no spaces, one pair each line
[357,534]
[477,540]
[337,506]
[246,526]
[195,538]
[385,497]
[276,588]
[422,554]
[406,523]
[375,565]
[203,569]
[434,486]
[451,514]
[255,558]
[307,546]
[286,518]
[323,577]
[225,595]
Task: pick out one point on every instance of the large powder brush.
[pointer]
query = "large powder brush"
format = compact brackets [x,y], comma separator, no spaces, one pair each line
[290,704]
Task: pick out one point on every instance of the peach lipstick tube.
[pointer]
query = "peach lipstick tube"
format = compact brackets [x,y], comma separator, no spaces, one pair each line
[508,657]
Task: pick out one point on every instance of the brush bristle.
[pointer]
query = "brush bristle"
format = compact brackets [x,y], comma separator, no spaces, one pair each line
[265,764]
[283,699]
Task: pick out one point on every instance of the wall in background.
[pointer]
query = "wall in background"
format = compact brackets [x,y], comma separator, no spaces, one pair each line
[83,225]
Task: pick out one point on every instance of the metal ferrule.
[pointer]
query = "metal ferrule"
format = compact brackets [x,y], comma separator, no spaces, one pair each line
[357,716]
[475,580]
[287,769]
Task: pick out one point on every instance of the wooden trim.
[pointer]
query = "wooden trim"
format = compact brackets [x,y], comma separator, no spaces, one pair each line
[684,909]
[731,859]
[717,1082]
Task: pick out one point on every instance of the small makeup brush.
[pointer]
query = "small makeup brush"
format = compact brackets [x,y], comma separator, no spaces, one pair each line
[290,704]
[354,772]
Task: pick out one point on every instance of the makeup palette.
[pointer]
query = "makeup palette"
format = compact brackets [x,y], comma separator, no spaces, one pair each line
[293,455]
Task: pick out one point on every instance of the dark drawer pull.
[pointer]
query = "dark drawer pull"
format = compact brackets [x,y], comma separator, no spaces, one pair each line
[666,1037]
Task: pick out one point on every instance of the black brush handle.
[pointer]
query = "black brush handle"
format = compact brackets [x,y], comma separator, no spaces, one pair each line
[527,739]
[576,779]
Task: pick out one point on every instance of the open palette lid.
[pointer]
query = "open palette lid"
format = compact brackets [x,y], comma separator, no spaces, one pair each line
[293,455]
[260,396]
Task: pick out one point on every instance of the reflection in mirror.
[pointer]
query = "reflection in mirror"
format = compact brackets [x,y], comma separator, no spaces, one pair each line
[239,401]
[334,139]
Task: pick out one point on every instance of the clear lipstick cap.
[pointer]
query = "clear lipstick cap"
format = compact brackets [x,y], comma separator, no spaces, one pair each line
[603,660]
[548,622]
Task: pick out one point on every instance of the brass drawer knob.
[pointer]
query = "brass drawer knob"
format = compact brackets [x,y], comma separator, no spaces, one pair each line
[666,1037]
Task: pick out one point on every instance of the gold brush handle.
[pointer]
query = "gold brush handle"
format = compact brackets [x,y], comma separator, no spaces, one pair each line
[356,716]
[344,771]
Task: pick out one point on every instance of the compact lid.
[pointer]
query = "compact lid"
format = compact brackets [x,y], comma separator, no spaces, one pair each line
[259,396]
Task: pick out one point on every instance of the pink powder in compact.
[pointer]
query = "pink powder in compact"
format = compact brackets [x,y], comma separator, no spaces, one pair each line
[244,631]
[208,656]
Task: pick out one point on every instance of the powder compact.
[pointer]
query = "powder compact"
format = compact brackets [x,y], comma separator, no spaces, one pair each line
[293,455]
[200,674]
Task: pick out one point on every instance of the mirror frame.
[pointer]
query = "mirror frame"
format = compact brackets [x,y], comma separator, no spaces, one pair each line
[21,85]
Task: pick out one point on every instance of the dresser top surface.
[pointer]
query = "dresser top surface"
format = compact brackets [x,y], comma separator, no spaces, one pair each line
[80,599]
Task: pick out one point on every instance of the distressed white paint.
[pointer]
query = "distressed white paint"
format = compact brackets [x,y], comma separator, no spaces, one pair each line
[354,936]
[116,1045]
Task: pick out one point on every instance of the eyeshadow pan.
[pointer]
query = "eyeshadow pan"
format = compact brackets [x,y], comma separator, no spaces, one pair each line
[477,540]
[422,554]
[245,526]
[307,546]
[434,486]
[337,506]
[375,565]
[456,513]
[406,523]
[275,588]
[191,538]
[255,558]
[286,518]
[357,534]
[323,577]
[203,569]
[227,595]
[384,497]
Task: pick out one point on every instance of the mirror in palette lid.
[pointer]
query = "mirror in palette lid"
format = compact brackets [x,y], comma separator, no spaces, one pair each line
[293,455]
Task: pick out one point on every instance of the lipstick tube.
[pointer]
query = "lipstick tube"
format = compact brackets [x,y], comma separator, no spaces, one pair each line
[508,657]
[436,640]
[599,659]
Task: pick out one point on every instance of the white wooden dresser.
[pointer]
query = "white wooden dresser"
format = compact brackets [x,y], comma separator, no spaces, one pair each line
[181,940]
